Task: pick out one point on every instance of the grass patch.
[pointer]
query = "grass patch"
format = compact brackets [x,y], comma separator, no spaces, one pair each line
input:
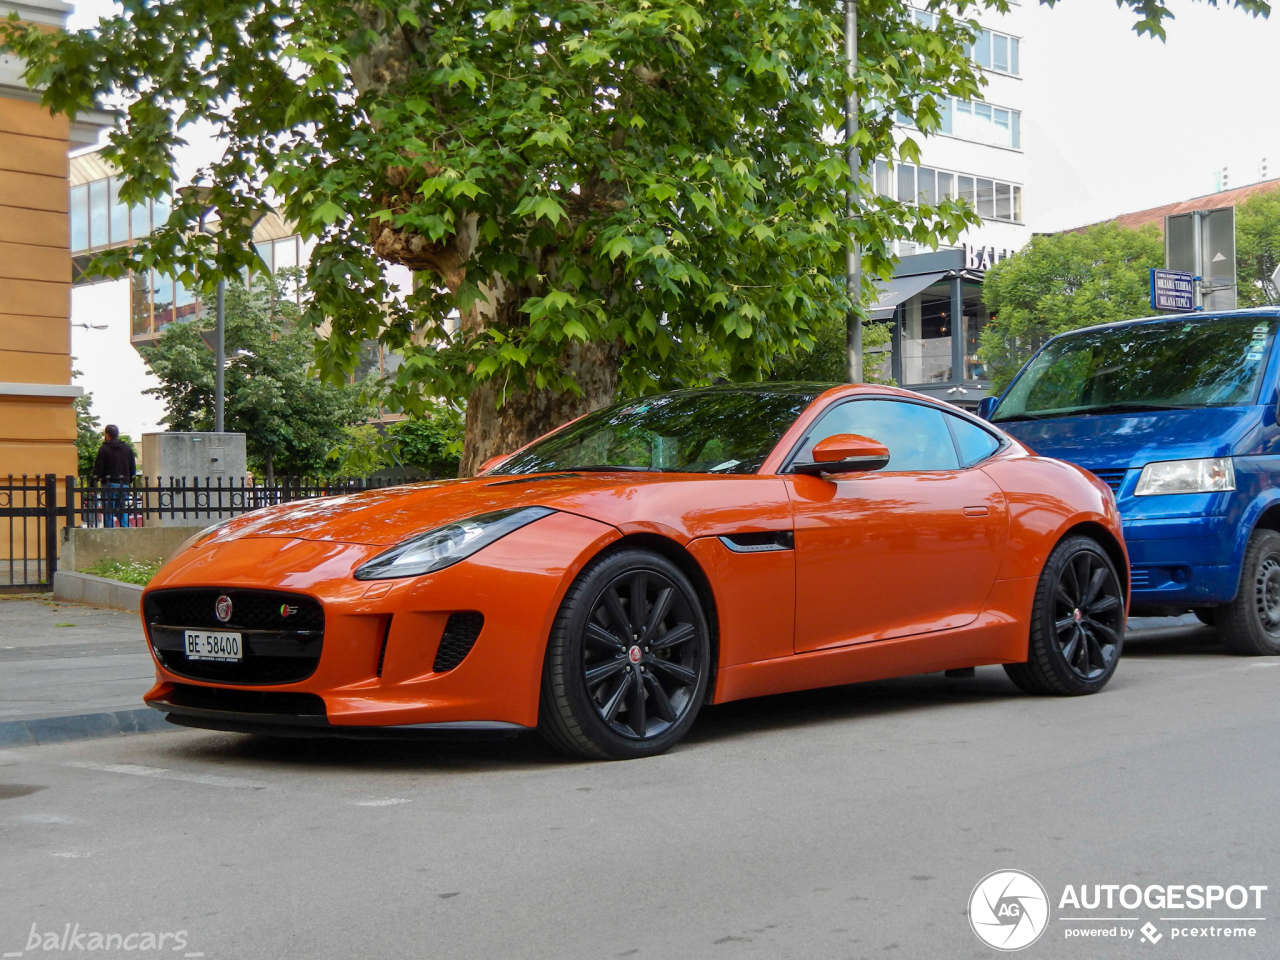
[129,571]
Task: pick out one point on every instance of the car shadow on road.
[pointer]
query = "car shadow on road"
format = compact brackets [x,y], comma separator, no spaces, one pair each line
[1149,639]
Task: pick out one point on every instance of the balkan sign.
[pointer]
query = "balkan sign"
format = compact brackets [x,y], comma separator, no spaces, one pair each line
[1173,291]
[983,258]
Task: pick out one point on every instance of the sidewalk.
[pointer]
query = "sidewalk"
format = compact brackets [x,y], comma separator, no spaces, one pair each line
[69,671]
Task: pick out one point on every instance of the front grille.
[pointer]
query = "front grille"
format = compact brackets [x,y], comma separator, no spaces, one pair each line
[1112,478]
[460,633]
[245,701]
[281,633]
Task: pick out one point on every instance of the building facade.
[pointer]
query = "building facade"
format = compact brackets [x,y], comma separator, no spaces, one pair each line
[37,421]
[934,301]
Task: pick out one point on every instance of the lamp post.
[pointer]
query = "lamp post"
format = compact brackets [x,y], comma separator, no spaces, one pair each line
[853,255]
[202,195]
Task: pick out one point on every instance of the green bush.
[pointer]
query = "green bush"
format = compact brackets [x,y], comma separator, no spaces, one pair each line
[128,571]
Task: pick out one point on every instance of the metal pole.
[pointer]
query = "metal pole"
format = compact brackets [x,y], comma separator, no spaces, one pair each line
[853,256]
[1197,243]
[219,351]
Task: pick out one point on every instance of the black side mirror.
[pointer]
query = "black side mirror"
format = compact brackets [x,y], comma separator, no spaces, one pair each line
[987,406]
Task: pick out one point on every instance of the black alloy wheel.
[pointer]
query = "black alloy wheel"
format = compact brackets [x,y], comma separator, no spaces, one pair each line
[1077,628]
[1250,624]
[628,661]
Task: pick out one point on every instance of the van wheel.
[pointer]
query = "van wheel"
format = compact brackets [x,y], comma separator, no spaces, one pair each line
[1250,624]
[1077,623]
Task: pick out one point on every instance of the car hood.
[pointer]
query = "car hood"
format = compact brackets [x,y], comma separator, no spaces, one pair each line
[700,504]
[1119,441]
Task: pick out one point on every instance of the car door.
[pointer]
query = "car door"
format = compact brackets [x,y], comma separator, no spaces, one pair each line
[909,549]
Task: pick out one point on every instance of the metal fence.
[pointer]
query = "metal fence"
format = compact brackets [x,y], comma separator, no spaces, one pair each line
[34,509]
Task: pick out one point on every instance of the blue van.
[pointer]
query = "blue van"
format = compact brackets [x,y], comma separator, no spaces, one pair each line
[1178,416]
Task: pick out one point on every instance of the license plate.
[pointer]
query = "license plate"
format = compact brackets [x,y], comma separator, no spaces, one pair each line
[203,645]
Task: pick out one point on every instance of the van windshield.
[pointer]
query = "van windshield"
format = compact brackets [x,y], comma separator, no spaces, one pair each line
[1161,365]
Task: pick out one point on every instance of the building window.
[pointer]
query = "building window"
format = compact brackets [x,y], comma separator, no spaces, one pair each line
[997,51]
[990,50]
[993,199]
[99,219]
[986,123]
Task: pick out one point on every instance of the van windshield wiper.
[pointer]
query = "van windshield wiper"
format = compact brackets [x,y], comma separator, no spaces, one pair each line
[1123,407]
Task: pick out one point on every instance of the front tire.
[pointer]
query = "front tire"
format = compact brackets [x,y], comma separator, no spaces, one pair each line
[1077,623]
[628,661]
[1250,624]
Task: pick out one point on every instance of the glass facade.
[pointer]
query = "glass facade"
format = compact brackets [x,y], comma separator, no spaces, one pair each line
[99,219]
[990,50]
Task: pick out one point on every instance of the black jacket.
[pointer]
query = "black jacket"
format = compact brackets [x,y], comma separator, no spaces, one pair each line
[114,462]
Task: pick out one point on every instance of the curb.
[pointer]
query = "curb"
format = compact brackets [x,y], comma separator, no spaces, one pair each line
[96,591]
[84,726]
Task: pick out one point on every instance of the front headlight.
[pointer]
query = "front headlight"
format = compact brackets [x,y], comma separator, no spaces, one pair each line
[445,546]
[1213,475]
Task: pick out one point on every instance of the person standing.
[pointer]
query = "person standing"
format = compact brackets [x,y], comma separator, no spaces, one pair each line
[114,468]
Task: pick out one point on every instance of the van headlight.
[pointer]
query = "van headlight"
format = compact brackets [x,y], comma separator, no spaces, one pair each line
[1213,475]
[447,545]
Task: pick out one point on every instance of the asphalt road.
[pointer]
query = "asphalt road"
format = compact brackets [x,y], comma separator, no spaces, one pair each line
[846,823]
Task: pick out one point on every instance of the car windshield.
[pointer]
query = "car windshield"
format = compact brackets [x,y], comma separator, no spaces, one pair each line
[711,431]
[1164,365]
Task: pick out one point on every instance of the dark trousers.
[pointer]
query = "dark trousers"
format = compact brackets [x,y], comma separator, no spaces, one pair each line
[113,505]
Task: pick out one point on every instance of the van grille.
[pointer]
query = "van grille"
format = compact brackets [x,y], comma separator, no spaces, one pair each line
[1112,478]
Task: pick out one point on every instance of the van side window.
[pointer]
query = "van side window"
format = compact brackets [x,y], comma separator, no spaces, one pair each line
[975,443]
[916,435]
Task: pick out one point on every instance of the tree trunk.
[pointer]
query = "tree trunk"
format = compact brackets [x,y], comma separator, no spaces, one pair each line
[271,469]
[526,415]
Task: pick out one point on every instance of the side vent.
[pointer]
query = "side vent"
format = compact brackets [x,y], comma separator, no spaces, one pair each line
[460,634]
[382,653]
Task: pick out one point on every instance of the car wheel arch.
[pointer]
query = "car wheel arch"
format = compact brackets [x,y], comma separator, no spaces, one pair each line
[1105,539]
[675,552]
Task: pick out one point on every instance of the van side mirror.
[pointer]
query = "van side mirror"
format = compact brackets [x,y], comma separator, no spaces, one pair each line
[845,453]
[987,406]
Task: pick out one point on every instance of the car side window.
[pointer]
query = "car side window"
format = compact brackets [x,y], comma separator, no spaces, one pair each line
[916,435]
[975,443]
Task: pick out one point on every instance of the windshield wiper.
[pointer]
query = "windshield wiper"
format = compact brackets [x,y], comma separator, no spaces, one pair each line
[611,468]
[1127,406]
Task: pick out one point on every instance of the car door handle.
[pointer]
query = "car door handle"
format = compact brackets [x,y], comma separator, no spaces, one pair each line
[976,511]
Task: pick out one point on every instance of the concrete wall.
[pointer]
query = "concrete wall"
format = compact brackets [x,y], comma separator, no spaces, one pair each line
[82,547]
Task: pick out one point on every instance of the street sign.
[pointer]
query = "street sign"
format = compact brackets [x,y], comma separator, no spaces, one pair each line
[1173,291]
[1203,243]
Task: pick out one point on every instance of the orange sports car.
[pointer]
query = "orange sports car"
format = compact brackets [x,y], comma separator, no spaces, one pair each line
[604,582]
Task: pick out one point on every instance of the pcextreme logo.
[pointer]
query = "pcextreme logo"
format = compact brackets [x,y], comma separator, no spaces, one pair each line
[1008,910]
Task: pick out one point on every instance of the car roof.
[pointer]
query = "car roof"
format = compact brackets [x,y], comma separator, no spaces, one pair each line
[1195,317]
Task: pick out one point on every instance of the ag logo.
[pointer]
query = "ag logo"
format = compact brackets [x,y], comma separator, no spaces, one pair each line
[1008,910]
[222,608]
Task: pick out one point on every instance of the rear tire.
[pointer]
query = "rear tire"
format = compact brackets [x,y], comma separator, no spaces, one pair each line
[628,661]
[1250,624]
[1077,623]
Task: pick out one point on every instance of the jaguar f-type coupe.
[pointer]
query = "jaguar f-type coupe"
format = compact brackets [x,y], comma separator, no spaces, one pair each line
[604,582]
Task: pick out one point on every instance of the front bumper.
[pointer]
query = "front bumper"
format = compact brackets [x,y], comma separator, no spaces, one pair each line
[379,670]
[1181,560]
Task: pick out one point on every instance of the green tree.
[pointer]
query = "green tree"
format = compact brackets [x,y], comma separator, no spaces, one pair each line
[828,360]
[291,420]
[605,193]
[88,432]
[1061,282]
[1258,249]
